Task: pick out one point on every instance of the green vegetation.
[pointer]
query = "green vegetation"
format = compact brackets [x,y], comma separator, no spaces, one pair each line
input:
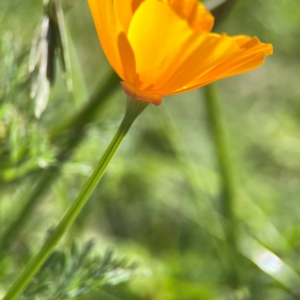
[202,198]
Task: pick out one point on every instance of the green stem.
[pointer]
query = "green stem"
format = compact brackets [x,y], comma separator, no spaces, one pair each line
[134,108]
[227,180]
[75,132]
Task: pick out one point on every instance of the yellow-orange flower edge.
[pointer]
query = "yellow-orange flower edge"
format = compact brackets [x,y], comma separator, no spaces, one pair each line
[165,47]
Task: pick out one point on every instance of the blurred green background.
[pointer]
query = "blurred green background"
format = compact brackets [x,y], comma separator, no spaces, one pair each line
[160,201]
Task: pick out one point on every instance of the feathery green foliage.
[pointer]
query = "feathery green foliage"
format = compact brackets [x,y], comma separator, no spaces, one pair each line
[77,271]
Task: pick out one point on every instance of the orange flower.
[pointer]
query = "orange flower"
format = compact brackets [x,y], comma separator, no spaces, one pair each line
[165,47]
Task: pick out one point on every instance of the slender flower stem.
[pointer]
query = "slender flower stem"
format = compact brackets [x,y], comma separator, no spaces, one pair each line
[75,132]
[134,108]
[227,181]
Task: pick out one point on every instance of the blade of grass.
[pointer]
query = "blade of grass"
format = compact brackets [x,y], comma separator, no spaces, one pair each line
[79,120]
[270,263]
[248,246]
[189,169]
[228,189]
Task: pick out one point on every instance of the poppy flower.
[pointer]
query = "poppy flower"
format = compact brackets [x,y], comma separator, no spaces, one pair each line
[165,47]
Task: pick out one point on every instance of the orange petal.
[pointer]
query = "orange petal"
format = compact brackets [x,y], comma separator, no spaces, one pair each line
[251,56]
[247,42]
[127,58]
[125,10]
[248,59]
[202,54]
[157,41]
[194,13]
[252,63]
[113,40]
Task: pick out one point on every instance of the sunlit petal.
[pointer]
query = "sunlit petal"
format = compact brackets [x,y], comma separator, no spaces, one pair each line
[156,53]
[113,40]
[194,13]
[125,10]
[164,47]
[246,60]
[203,54]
